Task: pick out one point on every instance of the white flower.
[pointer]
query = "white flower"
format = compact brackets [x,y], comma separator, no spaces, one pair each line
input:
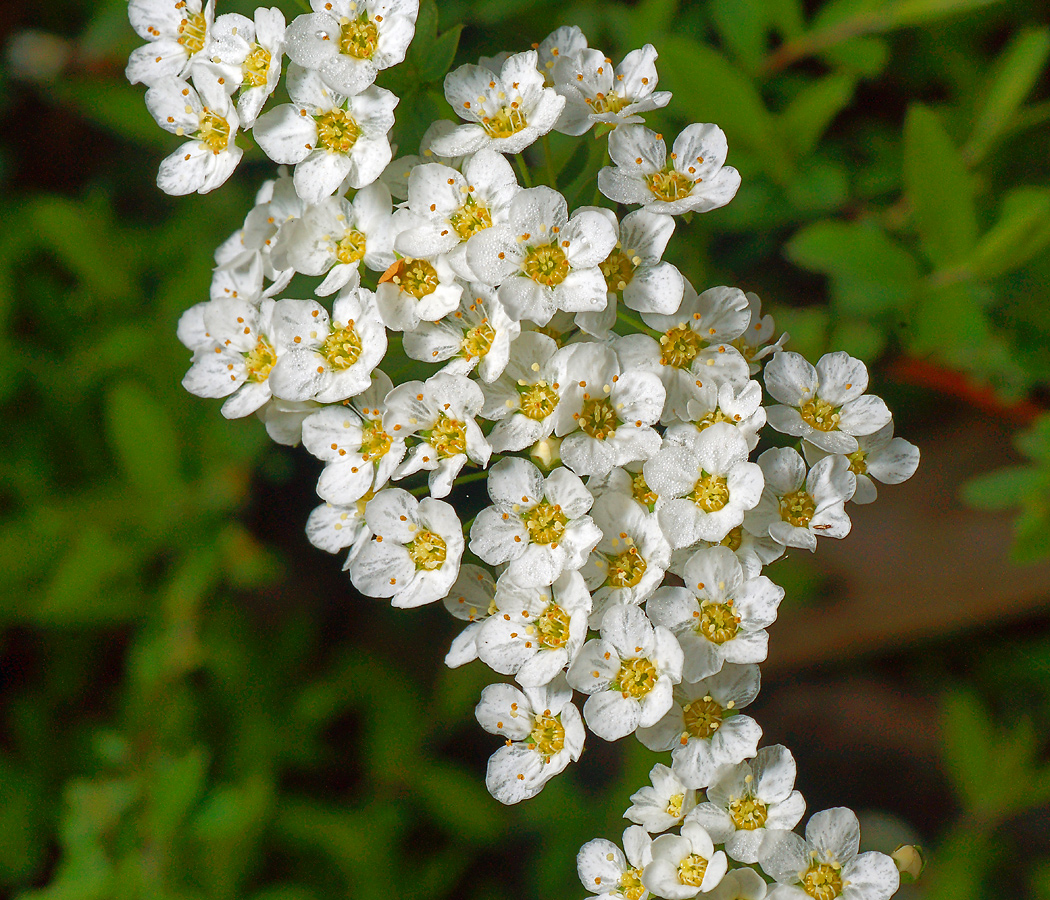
[536,631]
[827,864]
[395,176]
[539,525]
[823,404]
[507,111]
[748,802]
[277,205]
[350,41]
[595,93]
[879,457]
[705,483]
[635,270]
[337,235]
[284,419]
[628,481]
[755,342]
[695,179]
[629,561]
[703,727]
[565,41]
[663,805]
[471,599]
[718,616]
[414,557]
[629,673]
[544,734]
[754,552]
[177,30]
[250,54]
[441,411]
[417,290]
[612,873]
[333,528]
[359,455]
[684,865]
[327,360]
[614,409]
[725,402]
[327,136]
[477,334]
[740,884]
[208,117]
[543,260]
[797,507]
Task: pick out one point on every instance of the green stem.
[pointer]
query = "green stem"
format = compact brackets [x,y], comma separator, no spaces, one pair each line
[523,170]
[605,161]
[597,155]
[628,318]
[552,178]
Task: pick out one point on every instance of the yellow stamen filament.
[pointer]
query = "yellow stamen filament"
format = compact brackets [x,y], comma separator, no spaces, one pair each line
[428,551]
[546,264]
[546,523]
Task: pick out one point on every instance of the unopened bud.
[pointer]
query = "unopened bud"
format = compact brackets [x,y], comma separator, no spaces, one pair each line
[546,452]
[909,860]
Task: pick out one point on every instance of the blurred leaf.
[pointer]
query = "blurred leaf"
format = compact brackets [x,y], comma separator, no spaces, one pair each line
[174,787]
[143,438]
[118,107]
[742,27]
[1021,231]
[805,119]
[81,589]
[948,320]
[860,338]
[969,740]
[23,823]
[1003,489]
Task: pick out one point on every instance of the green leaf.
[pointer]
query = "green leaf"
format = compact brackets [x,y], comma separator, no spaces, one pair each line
[860,338]
[939,188]
[948,320]
[969,741]
[174,787]
[807,117]
[917,12]
[1021,231]
[742,27]
[1003,489]
[437,57]
[144,441]
[23,830]
[82,588]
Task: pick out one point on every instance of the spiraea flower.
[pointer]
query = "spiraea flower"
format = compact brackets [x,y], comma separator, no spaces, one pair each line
[738,406]
[544,734]
[415,290]
[629,481]
[824,404]
[753,551]
[350,41]
[757,343]
[414,556]
[250,53]
[538,525]
[664,804]
[635,269]
[685,864]
[472,599]
[740,884]
[878,457]
[328,137]
[332,528]
[695,179]
[629,673]
[505,112]
[597,94]
[178,32]
[751,801]
[612,873]
[562,42]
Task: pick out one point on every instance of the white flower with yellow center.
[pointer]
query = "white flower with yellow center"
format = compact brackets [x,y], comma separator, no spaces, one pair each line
[505,112]
[738,406]
[525,401]
[629,673]
[705,483]
[449,208]
[823,404]
[208,118]
[539,525]
[415,290]
[597,94]
[544,734]
[178,32]
[718,616]
[333,528]
[629,561]
[704,729]
[536,631]
[350,41]
[328,360]
[749,801]
[757,343]
[612,873]
[663,805]
[414,556]
[277,206]
[472,600]
[359,455]
[441,413]
[328,137]
[878,457]
[798,506]
[337,236]
[630,482]
[566,41]
[476,335]
[753,552]
[685,864]
[695,179]
[542,259]
[250,54]
[827,865]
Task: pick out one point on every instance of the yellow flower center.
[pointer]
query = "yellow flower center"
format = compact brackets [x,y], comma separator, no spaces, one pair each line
[797,508]
[428,551]
[635,679]
[674,805]
[710,493]
[626,570]
[548,735]
[691,870]
[448,437]
[631,885]
[337,131]
[546,523]
[374,441]
[858,462]
[192,32]
[546,264]
[748,813]
[478,341]
[537,400]
[718,623]
[470,218]
[416,277]
[603,103]
[508,121]
[351,247]
[553,627]
[822,882]
[642,493]
[618,270]
[820,414]
[680,346]
[256,66]
[214,131]
[711,418]
[342,347]
[703,717]
[734,539]
[358,37]
[670,185]
[260,360]
[598,419]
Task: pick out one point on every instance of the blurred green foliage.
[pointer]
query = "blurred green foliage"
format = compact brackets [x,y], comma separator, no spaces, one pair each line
[194,705]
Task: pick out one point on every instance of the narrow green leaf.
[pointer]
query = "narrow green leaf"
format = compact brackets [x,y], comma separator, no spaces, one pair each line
[1002,489]
[1022,231]
[742,27]
[144,441]
[437,57]
[916,12]
[807,117]
[969,741]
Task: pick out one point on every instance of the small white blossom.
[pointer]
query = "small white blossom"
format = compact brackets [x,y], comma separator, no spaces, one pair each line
[471,599]
[612,873]
[629,481]
[684,865]
[740,884]
[250,54]
[395,176]
[756,343]
[566,41]
[283,419]
[333,528]
[417,290]
[878,457]
[178,32]
[753,552]
[663,805]
[739,406]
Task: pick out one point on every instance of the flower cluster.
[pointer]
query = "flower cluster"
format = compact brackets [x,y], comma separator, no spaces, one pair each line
[611,407]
